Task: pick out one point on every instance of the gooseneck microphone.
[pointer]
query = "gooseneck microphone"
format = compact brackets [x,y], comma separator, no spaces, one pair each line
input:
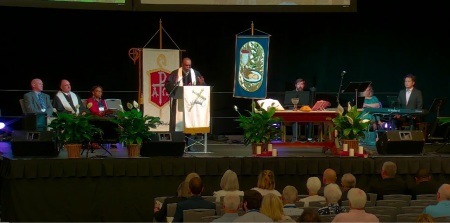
[340,86]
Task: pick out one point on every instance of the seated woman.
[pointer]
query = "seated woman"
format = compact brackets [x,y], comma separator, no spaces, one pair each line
[371,101]
[96,105]
[272,207]
[266,183]
[229,184]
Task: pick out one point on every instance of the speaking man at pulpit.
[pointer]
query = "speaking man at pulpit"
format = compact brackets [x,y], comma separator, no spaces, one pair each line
[183,76]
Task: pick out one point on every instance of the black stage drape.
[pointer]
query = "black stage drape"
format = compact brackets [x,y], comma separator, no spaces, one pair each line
[122,189]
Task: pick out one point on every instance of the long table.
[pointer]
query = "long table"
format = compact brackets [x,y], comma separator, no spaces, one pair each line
[326,138]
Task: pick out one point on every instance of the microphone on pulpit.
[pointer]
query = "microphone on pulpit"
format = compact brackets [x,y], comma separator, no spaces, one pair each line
[174,87]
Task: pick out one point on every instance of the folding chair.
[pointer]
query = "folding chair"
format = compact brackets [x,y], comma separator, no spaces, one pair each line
[405,197]
[196,215]
[411,217]
[411,209]
[383,210]
[426,197]
[423,202]
[327,218]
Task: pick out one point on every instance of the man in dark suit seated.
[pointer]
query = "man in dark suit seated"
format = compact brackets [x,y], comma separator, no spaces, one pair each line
[194,202]
[182,194]
[389,184]
[424,184]
[410,98]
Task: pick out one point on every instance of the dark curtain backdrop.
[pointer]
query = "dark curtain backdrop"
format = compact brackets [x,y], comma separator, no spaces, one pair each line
[382,42]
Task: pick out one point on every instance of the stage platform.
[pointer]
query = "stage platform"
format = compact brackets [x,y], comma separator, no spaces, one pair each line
[118,188]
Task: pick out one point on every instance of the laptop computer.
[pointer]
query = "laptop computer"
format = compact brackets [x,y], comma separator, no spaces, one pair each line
[114,104]
[303,98]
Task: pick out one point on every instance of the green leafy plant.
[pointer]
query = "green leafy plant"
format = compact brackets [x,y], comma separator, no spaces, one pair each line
[260,125]
[74,129]
[350,124]
[134,126]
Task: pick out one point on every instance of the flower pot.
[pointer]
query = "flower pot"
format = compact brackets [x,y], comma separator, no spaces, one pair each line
[73,150]
[352,143]
[262,145]
[134,150]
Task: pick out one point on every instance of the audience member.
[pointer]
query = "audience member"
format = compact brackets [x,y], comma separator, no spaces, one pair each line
[332,194]
[357,199]
[266,183]
[229,184]
[389,183]
[289,197]
[194,202]
[272,207]
[37,101]
[425,218]
[424,184]
[251,205]
[190,176]
[312,185]
[348,181]
[160,213]
[96,104]
[67,101]
[329,177]
[231,204]
[442,208]
[309,215]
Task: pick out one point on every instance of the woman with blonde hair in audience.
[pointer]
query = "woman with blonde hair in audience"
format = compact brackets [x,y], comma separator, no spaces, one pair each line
[190,176]
[272,207]
[425,218]
[229,185]
[266,183]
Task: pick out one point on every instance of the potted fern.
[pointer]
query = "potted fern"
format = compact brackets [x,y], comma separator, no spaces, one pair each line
[134,127]
[259,126]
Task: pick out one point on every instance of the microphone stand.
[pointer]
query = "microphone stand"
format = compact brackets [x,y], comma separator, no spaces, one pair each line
[340,87]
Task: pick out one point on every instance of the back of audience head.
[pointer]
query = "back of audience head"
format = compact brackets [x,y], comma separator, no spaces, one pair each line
[332,193]
[309,215]
[357,198]
[190,176]
[196,186]
[313,185]
[183,190]
[329,176]
[229,181]
[389,169]
[425,218]
[272,207]
[443,193]
[422,175]
[266,180]
[252,200]
[348,180]
[289,195]
[231,202]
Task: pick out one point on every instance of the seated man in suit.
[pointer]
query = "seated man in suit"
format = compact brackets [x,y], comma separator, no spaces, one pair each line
[389,183]
[37,101]
[194,202]
[410,98]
